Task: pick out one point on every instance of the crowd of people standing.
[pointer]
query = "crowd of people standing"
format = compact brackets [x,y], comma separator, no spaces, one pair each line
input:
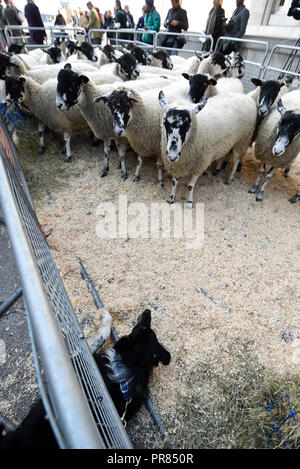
[175,23]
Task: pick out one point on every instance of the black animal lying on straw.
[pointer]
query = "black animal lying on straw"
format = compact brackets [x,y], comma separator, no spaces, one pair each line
[126,370]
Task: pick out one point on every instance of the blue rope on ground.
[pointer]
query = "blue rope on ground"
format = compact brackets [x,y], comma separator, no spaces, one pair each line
[20,121]
[277,426]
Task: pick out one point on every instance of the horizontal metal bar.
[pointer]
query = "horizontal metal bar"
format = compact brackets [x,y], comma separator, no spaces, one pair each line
[7,304]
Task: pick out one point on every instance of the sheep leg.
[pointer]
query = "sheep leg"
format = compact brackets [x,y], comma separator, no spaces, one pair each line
[264,185]
[67,139]
[122,148]
[192,185]
[218,168]
[42,138]
[254,188]
[286,172]
[138,169]
[107,146]
[240,166]
[295,199]
[172,197]
[233,173]
[160,178]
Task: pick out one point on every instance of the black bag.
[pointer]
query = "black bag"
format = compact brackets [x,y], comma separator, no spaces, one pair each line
[129,24]
[170,42]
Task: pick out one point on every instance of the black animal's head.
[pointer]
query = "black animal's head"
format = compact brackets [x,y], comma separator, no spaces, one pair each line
[140,350]
[199,86]
[177,123]
[14,90]
[108,50]
[269,91]
[71,48]
[127,66]
[164,58]
[288,129]
[88,50]
[141,55]
[17,49]
[220,62]
[120,103]
[68,88]
[54,54]
[6,64]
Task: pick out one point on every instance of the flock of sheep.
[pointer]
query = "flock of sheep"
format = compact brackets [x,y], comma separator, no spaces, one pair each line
[186,114]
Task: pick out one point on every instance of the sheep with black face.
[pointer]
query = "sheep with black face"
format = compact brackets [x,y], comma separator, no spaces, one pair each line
[40,100]
[278,141]
[192,140]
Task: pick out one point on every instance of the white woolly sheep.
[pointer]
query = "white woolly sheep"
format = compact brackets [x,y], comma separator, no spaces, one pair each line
[137,117]
[192,140]
[78,89]
[278,140]
[41,101]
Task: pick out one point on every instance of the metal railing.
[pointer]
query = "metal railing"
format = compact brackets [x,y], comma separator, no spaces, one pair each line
[133,36]
[202,38]
[253,68]
[76,400]
[271,72]
[53,33]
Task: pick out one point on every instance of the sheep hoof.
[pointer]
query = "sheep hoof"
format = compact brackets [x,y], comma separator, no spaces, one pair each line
[161,183]
[294,200]
[259,198]
[189,205]
[136,178]
[205,173]
[171,200]
[228,182]
[124,176]
[253,190]
[104,173]
[42,150]
[68,159]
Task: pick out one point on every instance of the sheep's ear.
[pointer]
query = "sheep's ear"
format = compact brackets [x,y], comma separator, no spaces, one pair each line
[198,56]
[101,99]
[288,81]
[163,102]
[68,67]
[281,109]
[22,80]
[100,48]
[47,51]
[213,82]
[199,107]
[256,82]
[186,76]
[83,80]
[132,97]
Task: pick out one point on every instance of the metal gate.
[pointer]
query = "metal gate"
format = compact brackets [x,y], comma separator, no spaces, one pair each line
[76,400]
[291,69]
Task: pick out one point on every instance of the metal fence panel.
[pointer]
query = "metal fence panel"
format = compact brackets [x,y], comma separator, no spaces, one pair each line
[253,69]
[274,73]
[52,32]
[84,414]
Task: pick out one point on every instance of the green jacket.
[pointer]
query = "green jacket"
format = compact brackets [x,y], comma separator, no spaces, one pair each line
[152,21]
[121,19]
